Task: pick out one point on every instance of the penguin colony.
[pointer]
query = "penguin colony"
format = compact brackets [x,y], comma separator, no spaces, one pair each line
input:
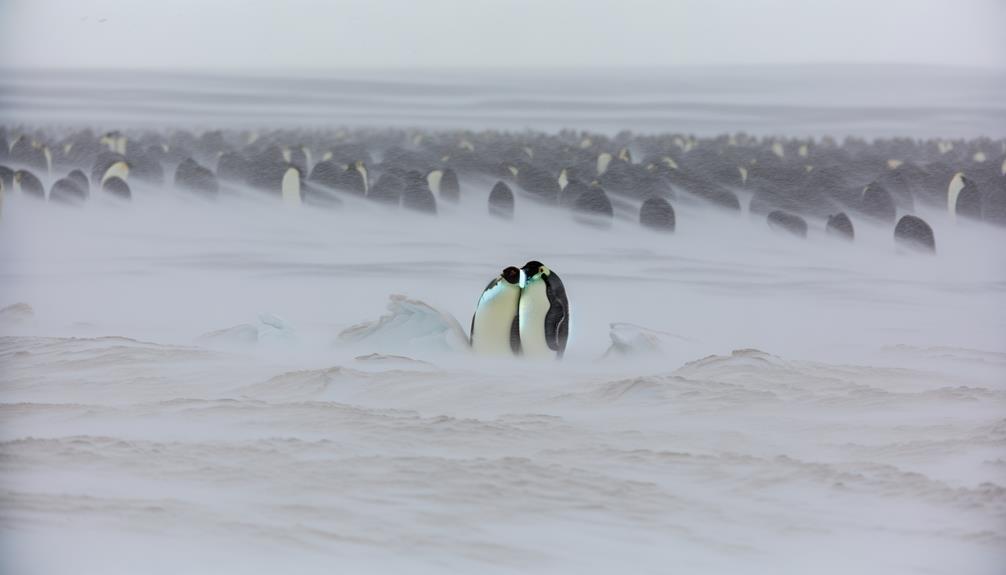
[797,186]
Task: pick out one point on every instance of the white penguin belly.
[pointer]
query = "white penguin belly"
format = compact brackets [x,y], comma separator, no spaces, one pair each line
[534,305]
[494,318]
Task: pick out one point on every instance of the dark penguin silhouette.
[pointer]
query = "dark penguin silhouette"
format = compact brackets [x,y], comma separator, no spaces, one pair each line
[327,173]
[189,175]
[7,177]
[78,177]
[351,180]
[839,225]
[417,195]
[915,232]
[108,164]
[143,166]
[29,154]
[387,190]
[232,166]
[657,214]
[337,176]
[67,191]
[573,190]
[29,184]
[117,187]
[994,210]
[501,203]
[447,186]
[594,207]
[538,182]
[878,203]
[787,222]
[969,200]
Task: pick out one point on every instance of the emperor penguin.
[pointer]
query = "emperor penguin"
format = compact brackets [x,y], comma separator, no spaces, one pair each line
[494,325]
[543,313]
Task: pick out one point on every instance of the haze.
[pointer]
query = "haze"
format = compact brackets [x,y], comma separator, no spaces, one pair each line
[353,34]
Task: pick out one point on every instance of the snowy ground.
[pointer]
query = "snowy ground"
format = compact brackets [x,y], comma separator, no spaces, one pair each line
[814,407]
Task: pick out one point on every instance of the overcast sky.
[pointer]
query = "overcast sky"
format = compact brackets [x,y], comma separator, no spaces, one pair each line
[312,34]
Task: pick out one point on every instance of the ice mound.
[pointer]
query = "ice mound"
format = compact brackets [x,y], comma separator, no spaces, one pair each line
[270,329]
[411,326]
[16,314]
[631,340]
[273,329]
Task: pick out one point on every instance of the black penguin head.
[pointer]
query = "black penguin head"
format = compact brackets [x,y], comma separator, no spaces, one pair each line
[511,275]
[535,268]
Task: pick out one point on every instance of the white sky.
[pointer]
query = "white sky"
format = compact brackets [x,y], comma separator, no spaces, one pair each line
[311,34]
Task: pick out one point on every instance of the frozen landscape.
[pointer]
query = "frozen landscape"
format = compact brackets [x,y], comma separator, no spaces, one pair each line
[239,385]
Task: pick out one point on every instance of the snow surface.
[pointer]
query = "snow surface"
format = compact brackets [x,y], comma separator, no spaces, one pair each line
[206,387]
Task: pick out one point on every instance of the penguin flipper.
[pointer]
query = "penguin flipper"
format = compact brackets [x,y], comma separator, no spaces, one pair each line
[563,332]
[515,336]
[554,322]
[471,332]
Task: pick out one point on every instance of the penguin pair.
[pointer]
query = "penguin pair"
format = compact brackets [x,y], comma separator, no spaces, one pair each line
[530,319]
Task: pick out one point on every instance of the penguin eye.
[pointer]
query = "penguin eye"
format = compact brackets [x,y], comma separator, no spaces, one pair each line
[541,270]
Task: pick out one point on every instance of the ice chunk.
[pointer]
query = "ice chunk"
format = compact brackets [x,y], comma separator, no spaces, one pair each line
[270,329]
[16,313]
[411,326]
[273,329]
[631,340]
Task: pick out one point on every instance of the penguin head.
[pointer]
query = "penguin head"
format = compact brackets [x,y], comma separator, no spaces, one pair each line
[534,270]
[511,275]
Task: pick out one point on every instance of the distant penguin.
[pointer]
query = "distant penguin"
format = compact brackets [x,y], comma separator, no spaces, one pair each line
[387,190]
[444,183]
[495,329]
[78,177]
[189,175]
[963,198]
[7,177]
[327,173]
[787,222]
[840,226]
[915,232]
[268,171]
[27,183]
[417,195]
[543,318]
[107,165]
[290,186]
[354,179]
[232,166]
[67,191]
[145,167]
[276,177]
[657,214]
[537,181]
[994,210]
[571,191]
[501,201]
[117,187]
[30,154]
[593,207]
[878,202]
[298,157]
